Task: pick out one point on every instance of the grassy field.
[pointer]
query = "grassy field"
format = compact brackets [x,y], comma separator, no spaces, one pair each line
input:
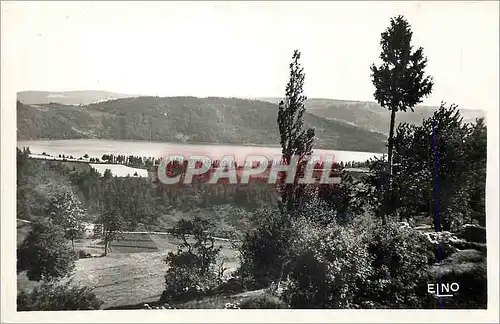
[123,278]
[133,272]
[119,170]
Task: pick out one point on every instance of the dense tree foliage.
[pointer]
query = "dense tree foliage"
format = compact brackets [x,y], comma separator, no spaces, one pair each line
[442,160]
[66,210]
[45,253]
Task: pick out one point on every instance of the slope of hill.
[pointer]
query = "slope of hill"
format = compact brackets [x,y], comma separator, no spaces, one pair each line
[183,119]
[370,115]
[364,114]
[83,97]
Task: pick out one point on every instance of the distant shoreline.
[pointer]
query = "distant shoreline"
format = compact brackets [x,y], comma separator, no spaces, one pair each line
[183,143]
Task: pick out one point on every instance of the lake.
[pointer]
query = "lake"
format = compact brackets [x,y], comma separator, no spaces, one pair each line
[98,147]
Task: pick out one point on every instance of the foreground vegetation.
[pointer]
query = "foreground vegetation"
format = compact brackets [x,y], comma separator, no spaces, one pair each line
[357,244]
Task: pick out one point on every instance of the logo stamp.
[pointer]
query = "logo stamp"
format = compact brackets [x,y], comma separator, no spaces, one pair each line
[443,289]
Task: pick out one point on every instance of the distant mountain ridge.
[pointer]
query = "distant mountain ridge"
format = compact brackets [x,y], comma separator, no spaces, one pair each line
[78,97]
[364,114]
[340,124]
[183,120]
[370,115]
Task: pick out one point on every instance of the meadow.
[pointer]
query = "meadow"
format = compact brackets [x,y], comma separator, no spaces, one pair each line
[132,272]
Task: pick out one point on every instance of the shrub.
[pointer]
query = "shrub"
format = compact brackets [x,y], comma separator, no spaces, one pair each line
[230,286]
[463,245]
[184,283]
[329,266]
[400,257]
[466,256]
[444,250]
[193,271]
[264,250]
[265,301]
[473,233]
[57,296]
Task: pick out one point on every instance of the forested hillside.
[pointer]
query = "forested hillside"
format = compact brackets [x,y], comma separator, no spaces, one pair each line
[370,115]
[183,119]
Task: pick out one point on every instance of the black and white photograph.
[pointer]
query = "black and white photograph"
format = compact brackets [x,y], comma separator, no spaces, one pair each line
[292,157]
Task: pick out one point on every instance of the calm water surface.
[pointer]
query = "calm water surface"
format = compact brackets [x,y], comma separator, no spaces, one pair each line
[98,147]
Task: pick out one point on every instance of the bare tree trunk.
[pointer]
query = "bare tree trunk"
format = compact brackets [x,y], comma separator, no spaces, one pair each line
[278,286]
[105,245]
[389,167]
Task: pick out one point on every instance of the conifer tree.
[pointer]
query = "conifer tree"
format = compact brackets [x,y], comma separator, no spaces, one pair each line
[400,81]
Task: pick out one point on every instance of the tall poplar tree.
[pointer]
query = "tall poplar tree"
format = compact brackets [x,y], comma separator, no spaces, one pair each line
[294,139]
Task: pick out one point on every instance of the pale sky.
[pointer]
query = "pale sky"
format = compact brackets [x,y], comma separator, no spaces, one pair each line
[243,49]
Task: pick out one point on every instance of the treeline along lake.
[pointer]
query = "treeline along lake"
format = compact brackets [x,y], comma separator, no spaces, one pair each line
[96,148]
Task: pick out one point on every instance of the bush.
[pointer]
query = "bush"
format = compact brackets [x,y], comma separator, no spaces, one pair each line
[444,250]
[329,266]
[193,271]
[265,301]
[57,296]
[400,257]
[473,233]
[230,286]
[184,283]
[264,249]
[466,256]
[463,245]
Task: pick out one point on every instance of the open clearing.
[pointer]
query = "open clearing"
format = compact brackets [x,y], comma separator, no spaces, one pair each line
[133,272]
[120,170]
